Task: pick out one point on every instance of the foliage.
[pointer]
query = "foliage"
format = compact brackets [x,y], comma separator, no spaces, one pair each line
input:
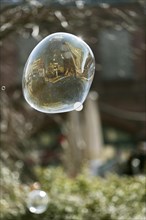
[12,194]
[82,198]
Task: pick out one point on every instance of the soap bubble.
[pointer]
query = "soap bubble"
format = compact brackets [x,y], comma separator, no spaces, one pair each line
[3,88]
[37,201]
[58,73]
[78,106]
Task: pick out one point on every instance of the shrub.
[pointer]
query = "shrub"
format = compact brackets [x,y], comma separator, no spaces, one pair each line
[82,198]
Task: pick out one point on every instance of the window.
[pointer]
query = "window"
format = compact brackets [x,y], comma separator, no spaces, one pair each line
[116,54]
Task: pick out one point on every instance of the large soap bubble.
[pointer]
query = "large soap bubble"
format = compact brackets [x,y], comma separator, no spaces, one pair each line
[37,201]
[58,73]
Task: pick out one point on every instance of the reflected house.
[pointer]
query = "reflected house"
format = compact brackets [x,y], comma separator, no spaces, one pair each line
[64,64]
[54,71]
[51,70]
[38,68]
[77,56]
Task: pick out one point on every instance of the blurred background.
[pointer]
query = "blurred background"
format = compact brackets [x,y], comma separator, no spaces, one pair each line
[109,134]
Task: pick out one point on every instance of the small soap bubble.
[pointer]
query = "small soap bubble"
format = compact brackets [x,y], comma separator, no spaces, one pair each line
[3,88]
[58,73]
[135,162]
[37,201]
[93,95]
[78,106]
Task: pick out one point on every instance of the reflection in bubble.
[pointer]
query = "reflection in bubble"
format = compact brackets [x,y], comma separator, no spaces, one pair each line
[58,73]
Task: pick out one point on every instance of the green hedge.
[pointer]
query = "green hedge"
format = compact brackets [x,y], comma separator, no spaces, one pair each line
[82,198]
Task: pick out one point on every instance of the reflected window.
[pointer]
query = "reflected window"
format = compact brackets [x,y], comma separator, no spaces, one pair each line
[116,54]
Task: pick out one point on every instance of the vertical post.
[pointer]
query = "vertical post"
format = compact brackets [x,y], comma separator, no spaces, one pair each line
[93,130]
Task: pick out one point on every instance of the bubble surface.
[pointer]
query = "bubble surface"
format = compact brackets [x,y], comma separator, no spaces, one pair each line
[37,201]
[58,73]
